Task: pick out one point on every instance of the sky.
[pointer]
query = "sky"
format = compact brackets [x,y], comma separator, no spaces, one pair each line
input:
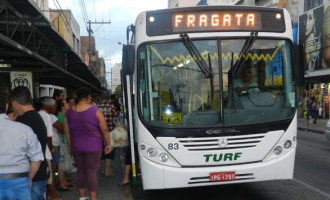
[121,14]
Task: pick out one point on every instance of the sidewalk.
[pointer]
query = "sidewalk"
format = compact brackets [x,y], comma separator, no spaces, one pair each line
[108,188]
[303,125]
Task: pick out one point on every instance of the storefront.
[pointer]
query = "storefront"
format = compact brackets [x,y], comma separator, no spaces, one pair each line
[321,93]
[314,34]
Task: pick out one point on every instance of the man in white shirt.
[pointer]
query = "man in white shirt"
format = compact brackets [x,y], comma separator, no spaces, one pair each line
[46,104]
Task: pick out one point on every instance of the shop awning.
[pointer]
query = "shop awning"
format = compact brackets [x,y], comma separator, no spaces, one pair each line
[28,42]
[318,76]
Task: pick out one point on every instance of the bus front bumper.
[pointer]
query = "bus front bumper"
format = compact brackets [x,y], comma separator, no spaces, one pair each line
[156,176]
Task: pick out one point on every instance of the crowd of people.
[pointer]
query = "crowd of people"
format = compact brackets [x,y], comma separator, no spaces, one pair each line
[58,135]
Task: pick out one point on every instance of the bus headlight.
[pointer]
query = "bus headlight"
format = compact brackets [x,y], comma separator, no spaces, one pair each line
[287,144]
[157,155]
[152,152]
[278,150]
[163,157]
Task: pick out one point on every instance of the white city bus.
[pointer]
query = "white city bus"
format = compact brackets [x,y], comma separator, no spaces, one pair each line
[214,95]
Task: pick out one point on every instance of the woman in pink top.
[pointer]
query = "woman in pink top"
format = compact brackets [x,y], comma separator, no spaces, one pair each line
[85,129]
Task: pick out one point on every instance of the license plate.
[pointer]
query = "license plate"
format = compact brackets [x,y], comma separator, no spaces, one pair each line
[222,176]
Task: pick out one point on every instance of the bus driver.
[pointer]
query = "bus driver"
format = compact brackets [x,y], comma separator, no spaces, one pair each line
[245,84]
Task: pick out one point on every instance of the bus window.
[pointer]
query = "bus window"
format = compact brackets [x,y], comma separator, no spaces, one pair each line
[178,94]
[260,86]
[173,91]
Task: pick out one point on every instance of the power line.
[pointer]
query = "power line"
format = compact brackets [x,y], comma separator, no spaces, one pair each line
[94,10]
[90,31]
[84,12]
[67,7]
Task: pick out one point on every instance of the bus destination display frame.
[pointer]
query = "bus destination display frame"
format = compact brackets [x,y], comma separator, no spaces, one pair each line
[214,19]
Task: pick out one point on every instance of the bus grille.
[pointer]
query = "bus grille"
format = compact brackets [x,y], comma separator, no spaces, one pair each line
[221,143]
[206,179]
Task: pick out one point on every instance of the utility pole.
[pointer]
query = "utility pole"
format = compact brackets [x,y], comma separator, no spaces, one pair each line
[90,31]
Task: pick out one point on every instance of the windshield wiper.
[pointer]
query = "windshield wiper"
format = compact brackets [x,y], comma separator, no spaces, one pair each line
[196,55]
[246,48]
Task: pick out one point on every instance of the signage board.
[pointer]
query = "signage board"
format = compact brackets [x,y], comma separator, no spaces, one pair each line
[21,78]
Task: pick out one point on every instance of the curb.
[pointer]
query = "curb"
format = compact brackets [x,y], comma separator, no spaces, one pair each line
[310,130]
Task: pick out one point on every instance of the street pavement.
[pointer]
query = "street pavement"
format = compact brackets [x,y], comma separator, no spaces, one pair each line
[307,126]
[108,186]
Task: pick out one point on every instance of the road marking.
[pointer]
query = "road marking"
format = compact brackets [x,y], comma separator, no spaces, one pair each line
[312,188]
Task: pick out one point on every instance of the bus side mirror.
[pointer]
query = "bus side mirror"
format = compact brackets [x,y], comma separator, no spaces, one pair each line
[128,59]
[299,64]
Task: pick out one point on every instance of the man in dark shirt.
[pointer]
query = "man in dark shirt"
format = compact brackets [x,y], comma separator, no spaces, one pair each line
[22,105]
[109,112]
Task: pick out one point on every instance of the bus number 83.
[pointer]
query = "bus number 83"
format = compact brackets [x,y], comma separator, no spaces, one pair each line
[173,146]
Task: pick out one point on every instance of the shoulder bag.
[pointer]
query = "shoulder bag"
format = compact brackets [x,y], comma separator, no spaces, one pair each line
[83,123]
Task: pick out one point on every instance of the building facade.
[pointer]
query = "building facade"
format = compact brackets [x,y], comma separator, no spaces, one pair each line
[94,63]
[84,48]
[67,26]
[102,73]
[115,76]
[314,35]
[43,5]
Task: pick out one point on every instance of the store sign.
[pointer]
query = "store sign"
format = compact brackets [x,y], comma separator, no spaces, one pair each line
[18,78]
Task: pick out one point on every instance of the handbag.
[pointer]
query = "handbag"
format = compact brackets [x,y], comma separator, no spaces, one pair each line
[83,123]
[119,136]
[65,158]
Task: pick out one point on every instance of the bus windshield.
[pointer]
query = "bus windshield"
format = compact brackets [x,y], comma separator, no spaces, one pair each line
[173,92]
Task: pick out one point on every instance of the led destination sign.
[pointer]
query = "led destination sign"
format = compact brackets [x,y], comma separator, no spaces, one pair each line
[201,19]
[216,21]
